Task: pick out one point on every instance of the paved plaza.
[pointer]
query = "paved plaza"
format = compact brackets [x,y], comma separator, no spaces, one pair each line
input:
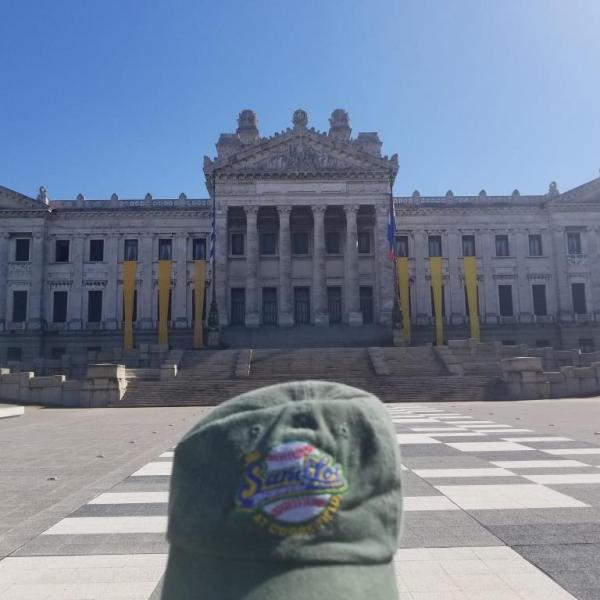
[501,501]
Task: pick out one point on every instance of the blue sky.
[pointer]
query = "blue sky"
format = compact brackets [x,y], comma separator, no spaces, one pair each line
[103,96]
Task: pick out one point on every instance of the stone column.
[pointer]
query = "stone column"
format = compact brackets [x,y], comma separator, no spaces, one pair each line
[564,310]
[36,301]
[252,315]
[384,274]
[351,267]
[286,316]
[180,277]
[319,293]
[112,318]
[4,258]
[457,310]
[490,293]
[221,260]
[146,302]
[524,294]
[422,310]
[75,306]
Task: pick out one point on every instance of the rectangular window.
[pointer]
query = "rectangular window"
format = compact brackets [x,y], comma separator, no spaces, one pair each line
[535,245]
[364,242]
[301,305]
[59,307]
[300,243]
[199,249]
[586,345]
[22,249]
[502,245]
[268,243]
[468,245]
[96,250]
[19,311]
[131,250]
[574,242]
[402,245]
[435,245]
[165,249]
[332,242]
[61,252]
[506,301]
[334,304]
[237,244]
[433,303]
[539,300]
[578,293]
[94,306]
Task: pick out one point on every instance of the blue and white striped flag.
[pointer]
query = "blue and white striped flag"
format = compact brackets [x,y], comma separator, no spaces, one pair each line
[213,237]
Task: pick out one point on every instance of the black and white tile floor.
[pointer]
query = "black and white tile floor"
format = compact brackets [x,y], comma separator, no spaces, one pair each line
[492,512]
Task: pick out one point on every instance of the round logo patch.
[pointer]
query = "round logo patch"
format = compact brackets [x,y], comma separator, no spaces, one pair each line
[294,488]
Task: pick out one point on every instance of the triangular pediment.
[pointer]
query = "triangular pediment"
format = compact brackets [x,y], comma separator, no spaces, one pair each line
[588,193]
[11,200]
[303,153]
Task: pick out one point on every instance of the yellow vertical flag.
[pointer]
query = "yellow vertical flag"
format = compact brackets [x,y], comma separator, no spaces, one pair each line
[404,291]
[129,272]
[470,266]
[164,287]
[435,262]
[199,283]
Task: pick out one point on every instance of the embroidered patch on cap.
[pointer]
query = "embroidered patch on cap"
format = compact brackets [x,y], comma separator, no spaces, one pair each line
[294,489]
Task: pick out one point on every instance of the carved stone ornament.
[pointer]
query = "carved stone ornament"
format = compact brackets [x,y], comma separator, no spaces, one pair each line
[576,259]
[43,195]
[300,119]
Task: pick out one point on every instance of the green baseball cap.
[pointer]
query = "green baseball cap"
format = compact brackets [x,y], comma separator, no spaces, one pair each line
[288,492]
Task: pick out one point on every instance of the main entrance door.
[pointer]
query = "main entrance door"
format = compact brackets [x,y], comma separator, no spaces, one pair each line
[269,306]
[301,305]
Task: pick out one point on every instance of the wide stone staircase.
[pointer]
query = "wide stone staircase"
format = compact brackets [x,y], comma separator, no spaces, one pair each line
[394,374]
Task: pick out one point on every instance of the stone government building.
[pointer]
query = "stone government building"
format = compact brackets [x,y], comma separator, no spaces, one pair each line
[301,228]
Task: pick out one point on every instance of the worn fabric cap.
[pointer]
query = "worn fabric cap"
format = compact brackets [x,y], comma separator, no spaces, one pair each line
[292,492]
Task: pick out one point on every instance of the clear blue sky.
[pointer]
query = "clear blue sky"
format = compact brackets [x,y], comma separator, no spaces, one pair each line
[126,96]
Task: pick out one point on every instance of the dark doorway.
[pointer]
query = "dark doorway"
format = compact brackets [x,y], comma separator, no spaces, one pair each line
[334,304]
[238,306]
[301,305]
[269,306]
[366,303]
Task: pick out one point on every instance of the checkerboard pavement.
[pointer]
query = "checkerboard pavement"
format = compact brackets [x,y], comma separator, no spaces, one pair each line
[491,512]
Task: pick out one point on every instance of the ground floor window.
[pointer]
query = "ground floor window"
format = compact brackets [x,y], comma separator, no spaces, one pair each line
[158,305]
[59,307]
[135,296]
[443,302]
[578,293]
[540,307]
[19,309]
[505,300]
[14,354]
[467,307]
[94,306]
[586,344]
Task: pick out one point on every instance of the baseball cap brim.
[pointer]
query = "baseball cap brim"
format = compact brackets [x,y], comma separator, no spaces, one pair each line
[192,577]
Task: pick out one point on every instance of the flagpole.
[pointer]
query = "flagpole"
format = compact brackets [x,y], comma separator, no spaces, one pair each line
[213,313]
[396,310]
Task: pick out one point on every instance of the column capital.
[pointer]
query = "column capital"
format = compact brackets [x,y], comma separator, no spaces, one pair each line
[318,209]
[284,210]
[350,209]
[251,210]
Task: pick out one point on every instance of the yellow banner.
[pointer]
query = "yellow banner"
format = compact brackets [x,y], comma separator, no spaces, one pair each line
[129,271]
[404,291]
[164,287]
[470,265]
[435,262]
[199,282]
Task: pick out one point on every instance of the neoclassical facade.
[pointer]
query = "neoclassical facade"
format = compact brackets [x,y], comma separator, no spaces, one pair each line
[301,226]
